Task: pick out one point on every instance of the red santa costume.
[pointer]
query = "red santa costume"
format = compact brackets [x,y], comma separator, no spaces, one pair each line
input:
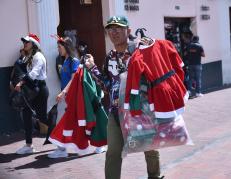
[161,66]
[70,131]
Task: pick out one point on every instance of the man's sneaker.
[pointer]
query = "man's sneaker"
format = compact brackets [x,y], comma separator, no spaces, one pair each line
[26,150]
[199,95]
[58,153]
[99,150]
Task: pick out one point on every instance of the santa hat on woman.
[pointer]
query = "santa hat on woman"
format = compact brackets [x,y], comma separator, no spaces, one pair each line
[32,38]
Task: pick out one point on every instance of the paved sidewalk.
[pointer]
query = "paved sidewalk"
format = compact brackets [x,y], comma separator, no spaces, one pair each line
[209,123]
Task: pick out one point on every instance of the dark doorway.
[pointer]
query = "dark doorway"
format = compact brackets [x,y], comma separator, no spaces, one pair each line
[178,31]
[86,18]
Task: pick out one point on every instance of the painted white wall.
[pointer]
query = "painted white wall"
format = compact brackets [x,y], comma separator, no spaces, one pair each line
[214,33]
[151,15]
[224,44]
[48,20]
[209,30]
[13,27]
[108,9]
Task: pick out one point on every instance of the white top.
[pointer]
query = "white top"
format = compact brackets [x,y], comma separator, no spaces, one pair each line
[37,71]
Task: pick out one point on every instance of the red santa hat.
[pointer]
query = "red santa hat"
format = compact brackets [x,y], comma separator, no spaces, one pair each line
[32,38]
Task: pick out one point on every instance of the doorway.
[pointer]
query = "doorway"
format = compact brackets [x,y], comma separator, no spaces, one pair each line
[178,31]
[84,17]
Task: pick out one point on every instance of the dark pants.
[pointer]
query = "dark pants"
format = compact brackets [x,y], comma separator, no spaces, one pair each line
[195,72]
[39,104]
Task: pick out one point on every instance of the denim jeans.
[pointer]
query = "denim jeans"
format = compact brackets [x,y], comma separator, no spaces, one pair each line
[195,72]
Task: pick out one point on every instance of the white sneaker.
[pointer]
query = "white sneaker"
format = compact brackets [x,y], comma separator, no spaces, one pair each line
[99,150]
[26,150]
[199,95]
[58,154]
[189,93]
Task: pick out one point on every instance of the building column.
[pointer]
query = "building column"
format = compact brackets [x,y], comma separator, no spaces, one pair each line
[43,16]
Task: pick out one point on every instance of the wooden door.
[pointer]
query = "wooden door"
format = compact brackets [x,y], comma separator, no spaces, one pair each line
[86,19]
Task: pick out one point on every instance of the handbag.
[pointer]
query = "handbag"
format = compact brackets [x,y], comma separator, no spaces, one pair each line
[20,100]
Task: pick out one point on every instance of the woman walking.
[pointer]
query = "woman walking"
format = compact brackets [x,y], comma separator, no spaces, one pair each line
[35,77]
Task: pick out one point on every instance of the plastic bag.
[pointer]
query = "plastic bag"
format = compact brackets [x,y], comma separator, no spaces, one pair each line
[145,132]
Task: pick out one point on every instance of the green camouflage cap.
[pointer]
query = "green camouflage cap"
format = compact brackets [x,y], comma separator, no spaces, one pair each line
[117,20]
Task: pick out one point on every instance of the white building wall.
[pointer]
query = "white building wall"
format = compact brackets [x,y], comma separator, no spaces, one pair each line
[151,15]
[214,33]
[209,30]
[13,27]
[225,50]
[48,20]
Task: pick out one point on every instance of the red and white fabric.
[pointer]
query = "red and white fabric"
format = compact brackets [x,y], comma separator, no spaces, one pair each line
[167,98]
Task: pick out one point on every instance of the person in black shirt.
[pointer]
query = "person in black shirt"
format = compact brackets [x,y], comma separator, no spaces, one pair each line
[194,53]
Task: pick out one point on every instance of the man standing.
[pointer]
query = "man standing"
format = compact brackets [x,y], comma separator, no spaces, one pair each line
[118,30]
[194,53]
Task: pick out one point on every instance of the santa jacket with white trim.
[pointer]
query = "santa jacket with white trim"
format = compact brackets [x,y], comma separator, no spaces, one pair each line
[96,117]
[153,62]
[70,131]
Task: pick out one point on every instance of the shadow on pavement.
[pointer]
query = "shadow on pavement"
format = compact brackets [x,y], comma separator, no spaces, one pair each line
[6,158]
[210,90]
[11,138]
[43,161]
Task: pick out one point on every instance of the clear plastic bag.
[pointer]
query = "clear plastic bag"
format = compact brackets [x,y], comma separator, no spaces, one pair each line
[145,132]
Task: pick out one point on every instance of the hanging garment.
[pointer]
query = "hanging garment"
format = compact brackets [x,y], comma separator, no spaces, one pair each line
[70,131]
[96,117]
[79,124]
[161,67]
[145,132]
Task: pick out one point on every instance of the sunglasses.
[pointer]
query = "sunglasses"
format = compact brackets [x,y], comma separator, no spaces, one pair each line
[115,29]
[25,42]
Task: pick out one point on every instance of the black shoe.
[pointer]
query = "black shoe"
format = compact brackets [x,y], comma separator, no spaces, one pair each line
[156,177]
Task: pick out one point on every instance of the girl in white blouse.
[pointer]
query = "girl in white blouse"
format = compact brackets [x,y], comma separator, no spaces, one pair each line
[35,78]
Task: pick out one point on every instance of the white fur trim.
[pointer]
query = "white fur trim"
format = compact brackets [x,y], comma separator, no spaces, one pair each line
[151,107]
[67,133]
[182,64]
[133,91]
[70,145]
[35,41]
[82,122]
[88,132]
[126,105]
[80,65]
[186,97]
[102,94]
[27,38]
[170,113]
[30,39]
